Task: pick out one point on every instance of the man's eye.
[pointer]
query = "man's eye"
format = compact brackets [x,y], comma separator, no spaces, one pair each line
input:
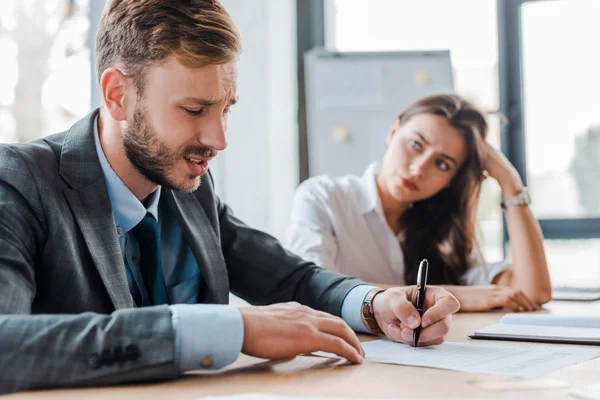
[193,113]
[227,111]
[414,144]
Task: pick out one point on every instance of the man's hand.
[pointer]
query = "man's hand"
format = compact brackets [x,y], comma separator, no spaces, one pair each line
[289,329]
[482,298]
[397,316]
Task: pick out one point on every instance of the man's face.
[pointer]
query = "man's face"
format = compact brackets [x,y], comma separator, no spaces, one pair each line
[178,125]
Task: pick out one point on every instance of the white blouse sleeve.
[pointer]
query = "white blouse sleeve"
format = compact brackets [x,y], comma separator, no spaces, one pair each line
[482,273]
[310,234]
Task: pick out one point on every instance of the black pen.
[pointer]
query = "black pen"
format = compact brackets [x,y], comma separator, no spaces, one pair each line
[421,283]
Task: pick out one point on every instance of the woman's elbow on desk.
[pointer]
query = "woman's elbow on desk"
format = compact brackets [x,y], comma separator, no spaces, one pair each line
[539,292]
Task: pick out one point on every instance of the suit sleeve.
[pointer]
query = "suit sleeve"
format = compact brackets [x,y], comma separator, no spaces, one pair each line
[262,272]
[53,350]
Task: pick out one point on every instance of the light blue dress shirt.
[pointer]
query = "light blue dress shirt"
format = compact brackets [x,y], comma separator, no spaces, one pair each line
[206,336]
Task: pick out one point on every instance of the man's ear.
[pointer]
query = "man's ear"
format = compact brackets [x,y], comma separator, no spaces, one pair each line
[113,85]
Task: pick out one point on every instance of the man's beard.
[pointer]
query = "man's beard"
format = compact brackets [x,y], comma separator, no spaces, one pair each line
[153,158]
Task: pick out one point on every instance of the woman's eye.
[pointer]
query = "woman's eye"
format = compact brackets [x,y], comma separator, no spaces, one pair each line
[193,113]
[414,144]
[443,165]
[227,111]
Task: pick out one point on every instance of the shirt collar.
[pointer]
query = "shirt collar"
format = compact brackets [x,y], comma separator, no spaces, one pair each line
[370,200]
[127,209]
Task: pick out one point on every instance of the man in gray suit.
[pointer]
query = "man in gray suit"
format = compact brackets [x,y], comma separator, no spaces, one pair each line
[116,256]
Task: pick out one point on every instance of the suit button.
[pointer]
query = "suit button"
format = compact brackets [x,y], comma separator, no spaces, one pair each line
[119,230]
[107,358]
[94,361]
[132,352]
[206,362]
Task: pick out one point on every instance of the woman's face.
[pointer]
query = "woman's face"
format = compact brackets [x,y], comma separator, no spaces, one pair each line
[422,157]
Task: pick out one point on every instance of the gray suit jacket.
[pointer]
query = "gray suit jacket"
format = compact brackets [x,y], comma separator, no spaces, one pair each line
[66,313]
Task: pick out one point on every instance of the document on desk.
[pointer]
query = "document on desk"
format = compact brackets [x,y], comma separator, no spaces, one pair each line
[260,396]
[481,359]
[543,328]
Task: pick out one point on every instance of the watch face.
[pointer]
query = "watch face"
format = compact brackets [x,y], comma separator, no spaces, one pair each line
[522,198]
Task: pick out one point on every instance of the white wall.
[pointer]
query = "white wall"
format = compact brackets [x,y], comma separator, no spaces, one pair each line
[258,172]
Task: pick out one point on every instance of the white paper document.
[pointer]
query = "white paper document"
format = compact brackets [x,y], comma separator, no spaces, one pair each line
[259,396]
[482,359]
[571,321]
[586,392]
[543,328]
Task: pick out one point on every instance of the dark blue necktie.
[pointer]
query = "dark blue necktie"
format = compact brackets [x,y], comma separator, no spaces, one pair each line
[146,233]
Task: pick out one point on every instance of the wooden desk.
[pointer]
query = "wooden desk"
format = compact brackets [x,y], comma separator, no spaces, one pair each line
[312,376]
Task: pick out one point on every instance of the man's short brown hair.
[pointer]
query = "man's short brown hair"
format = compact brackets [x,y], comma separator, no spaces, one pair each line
[133,34]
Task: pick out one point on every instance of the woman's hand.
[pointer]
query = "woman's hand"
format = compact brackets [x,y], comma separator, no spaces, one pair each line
[483,298]
[499,168]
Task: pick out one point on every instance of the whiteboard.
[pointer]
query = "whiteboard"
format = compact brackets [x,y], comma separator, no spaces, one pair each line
[353,98]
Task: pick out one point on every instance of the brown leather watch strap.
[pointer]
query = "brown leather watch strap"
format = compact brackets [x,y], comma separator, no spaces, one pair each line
[367,313]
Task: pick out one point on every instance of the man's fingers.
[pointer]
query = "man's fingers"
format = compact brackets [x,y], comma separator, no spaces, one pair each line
[395,332]
[336,345]
[436,331]
[406,312]
[433,337]
[337,327]
[442,308]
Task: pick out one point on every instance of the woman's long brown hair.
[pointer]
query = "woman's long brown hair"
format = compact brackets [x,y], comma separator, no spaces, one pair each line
[442,228]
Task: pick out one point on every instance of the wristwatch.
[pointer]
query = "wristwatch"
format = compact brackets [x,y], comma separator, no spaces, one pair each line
[522,198]
[367,313]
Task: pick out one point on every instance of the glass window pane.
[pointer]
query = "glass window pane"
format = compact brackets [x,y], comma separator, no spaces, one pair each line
[489,213]
[562,107]
[392,25]
[45,68]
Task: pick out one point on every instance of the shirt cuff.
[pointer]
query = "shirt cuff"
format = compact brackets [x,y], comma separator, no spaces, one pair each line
[206,336]
[484,274]
[352,306]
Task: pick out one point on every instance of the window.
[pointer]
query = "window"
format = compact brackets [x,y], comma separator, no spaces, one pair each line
[561,106]
[45,67]
[551,91]
[468,28]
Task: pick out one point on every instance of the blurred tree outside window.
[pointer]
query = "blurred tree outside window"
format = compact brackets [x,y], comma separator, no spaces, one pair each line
[44,67]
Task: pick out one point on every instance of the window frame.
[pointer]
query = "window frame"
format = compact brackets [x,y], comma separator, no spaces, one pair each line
[511,105]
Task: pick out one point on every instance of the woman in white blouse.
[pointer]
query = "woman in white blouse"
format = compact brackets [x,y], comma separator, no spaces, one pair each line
[420,202]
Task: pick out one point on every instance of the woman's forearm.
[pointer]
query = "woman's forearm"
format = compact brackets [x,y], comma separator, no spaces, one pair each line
[530,269]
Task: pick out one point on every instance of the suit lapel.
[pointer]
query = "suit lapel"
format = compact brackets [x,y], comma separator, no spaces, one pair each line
[89,201]
[203,241]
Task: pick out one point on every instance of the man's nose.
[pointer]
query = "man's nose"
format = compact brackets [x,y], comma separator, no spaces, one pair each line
[214,134]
